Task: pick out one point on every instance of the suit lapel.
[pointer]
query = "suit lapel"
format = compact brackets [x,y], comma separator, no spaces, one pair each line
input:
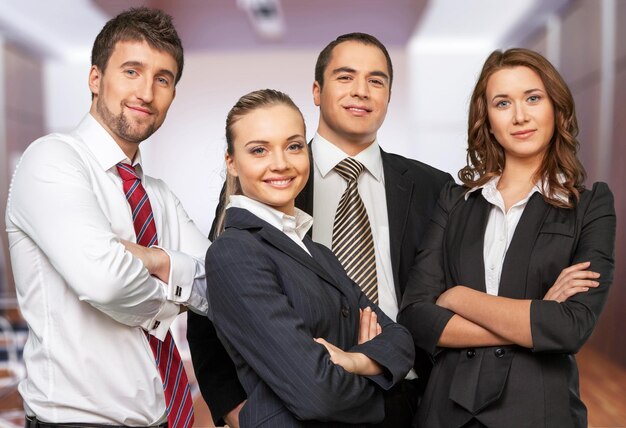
[398,191]
[468,242]
[243,219]
[515,268]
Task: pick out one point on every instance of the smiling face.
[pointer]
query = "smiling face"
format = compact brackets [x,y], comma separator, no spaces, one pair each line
[133,94]
[270,156]
[354,97]
[521,114]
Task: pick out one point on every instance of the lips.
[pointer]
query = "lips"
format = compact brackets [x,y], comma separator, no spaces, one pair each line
[524,133]
[357,109]
[140,109]
[279,181]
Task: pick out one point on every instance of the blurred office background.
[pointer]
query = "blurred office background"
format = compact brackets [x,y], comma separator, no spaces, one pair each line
[235,46]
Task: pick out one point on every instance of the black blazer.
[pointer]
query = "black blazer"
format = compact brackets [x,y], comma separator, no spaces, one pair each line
[511,385]
[412,189]
[269,300]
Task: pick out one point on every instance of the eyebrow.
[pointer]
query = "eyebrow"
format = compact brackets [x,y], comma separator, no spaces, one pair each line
[164,71]
[528,91]
[293,137]
[376,73]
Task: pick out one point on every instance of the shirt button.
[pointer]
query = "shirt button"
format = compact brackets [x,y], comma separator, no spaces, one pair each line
[345,312]
[499,352]
[471,353]
[492,267]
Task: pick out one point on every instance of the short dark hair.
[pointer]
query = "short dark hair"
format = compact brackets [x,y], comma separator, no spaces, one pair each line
[324,57]
[138,24]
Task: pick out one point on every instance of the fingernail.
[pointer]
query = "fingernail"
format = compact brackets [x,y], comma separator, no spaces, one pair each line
[368,309]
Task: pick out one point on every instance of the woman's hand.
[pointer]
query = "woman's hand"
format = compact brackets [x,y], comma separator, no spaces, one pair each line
[353,362]
[572,280]
[368,327]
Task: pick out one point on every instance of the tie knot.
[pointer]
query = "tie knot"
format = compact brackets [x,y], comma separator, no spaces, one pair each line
[127,172]
[349,169]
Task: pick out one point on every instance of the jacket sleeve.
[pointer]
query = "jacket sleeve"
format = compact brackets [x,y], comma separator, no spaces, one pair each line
[253,314]
[392,349]
[418,311]
[565,327]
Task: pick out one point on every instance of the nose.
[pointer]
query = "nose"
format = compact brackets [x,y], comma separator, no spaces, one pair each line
[279,161]
[360,88]
[145,90]
[520,114]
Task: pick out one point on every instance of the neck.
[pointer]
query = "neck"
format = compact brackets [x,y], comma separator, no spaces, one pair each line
[129,149]
[349,146]
[518,175]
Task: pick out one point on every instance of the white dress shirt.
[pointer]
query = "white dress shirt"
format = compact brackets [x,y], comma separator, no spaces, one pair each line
[86,300]
[327,191]
[295,227]
[501,225]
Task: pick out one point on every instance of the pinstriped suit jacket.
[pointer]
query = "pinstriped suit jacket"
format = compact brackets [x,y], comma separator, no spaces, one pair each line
[268,300]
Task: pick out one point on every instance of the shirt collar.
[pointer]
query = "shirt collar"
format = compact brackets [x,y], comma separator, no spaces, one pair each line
[491,188]
[326,156]
[102,145]
[300,223]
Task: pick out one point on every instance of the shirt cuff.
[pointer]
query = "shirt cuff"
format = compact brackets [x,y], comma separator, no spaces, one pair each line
[160,324]
[186,284]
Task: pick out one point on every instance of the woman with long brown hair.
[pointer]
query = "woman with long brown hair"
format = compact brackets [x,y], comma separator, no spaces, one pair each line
[517,264]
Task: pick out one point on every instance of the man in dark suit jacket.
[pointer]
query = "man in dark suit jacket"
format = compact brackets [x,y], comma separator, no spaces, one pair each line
[353,78]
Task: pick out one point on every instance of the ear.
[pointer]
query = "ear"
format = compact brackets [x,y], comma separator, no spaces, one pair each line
[95,76]
[317,89]
[230,165]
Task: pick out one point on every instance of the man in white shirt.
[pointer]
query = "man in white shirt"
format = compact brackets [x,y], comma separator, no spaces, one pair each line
[95,290]
[353,78]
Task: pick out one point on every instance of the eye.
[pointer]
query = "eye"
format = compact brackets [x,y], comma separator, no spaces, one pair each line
[258,150]
[162,81]
[534,98]
[130,72]
[295,147]
[377,82]
[344,77]
[503,104]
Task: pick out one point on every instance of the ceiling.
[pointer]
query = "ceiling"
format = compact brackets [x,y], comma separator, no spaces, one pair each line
[65,29]
[222,25]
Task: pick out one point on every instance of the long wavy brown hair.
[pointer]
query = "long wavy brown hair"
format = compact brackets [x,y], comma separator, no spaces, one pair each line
[485,156]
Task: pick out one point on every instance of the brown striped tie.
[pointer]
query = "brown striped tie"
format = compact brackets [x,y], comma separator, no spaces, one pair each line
[352,236]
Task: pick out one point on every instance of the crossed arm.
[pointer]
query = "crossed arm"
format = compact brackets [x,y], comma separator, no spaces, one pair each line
[560,322]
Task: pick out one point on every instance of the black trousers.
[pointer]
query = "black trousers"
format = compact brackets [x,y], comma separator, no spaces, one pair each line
[401,403]
[33,422]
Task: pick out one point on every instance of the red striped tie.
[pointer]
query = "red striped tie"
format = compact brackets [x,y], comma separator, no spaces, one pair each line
[175,384]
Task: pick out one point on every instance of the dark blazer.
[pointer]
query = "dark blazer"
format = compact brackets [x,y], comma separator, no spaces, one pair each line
[412,189]
[510,385]
[269,300]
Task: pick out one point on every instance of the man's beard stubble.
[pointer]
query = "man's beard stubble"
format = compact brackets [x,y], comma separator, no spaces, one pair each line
[119,124]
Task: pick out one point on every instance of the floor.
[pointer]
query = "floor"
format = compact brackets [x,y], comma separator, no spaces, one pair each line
[602,385]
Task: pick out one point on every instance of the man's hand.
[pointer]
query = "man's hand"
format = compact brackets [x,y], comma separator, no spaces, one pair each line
[154,259]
